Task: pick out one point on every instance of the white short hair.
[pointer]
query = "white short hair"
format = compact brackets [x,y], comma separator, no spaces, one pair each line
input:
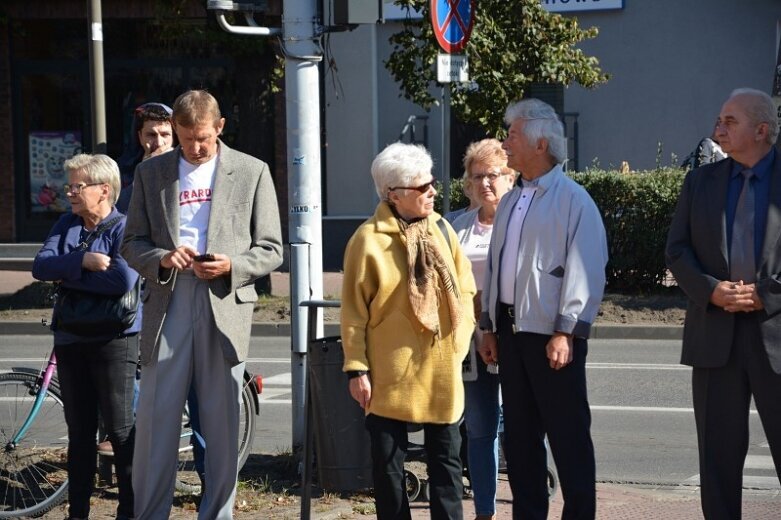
[400,164]
[97,168]
[542,122]
[760,109]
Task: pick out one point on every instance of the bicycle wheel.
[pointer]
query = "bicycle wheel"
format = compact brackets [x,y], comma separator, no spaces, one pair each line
[247,417]
[187,479]
[33,472]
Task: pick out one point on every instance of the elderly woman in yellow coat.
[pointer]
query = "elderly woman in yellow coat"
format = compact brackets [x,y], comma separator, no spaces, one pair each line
[407,318]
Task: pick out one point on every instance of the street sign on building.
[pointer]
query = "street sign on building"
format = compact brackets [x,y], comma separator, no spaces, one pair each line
[452,21]
[571,6]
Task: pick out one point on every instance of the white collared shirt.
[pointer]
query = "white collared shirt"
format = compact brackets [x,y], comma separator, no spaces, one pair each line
[509,258]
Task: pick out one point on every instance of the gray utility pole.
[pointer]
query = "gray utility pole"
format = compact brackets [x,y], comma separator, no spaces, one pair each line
[302,50]
[445,149]
[97,82]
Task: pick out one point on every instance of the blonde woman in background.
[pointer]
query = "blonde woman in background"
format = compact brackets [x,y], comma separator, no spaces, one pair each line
[488,179]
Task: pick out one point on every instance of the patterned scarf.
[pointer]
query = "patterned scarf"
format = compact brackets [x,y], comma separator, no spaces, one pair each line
[426,268]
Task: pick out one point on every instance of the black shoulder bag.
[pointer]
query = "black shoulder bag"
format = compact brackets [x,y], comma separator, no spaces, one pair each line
[90,314]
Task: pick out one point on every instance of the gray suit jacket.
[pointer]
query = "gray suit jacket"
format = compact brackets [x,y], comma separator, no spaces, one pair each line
[697,255]
[243,224]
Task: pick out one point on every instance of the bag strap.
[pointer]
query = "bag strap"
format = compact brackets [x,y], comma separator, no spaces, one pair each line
[99,231]
[443,229]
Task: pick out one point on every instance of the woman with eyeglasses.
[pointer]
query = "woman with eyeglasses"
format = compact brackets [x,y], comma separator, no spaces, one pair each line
[96,370]
[488,179]
[407,318]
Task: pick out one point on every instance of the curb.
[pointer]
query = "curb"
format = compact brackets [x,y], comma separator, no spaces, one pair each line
[650,332]
[621,331]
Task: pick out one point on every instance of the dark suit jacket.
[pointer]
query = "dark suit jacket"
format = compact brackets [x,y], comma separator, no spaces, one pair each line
[243,224]
[697,255]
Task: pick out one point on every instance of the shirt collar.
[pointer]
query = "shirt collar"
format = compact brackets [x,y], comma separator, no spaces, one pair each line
[544,182]
[761,169]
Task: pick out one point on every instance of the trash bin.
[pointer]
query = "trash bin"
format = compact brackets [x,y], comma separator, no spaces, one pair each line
[342,445]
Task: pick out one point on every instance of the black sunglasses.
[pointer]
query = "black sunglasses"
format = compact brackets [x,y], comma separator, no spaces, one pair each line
[423,188]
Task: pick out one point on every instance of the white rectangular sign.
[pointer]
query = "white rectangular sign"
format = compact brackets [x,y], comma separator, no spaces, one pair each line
[569,6]
[452,67]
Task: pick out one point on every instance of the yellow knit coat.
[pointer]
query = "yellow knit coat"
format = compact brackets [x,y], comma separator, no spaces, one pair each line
[415,374]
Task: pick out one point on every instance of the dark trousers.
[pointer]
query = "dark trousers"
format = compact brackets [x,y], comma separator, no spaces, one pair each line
[721,409]
[389,449]
[98,376]
[539,400]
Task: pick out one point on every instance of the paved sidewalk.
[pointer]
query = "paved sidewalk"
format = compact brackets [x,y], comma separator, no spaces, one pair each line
[12,281]
[625,502]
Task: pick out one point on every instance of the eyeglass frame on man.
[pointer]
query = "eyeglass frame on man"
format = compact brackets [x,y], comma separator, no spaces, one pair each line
[423,188]
[68,188]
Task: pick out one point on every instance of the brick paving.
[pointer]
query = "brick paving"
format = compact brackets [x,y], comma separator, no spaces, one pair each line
[625,502]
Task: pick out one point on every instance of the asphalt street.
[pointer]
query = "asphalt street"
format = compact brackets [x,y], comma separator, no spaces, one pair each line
[643,424]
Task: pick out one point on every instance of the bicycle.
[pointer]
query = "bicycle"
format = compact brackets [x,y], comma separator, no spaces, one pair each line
[33,462]
[34,436]
[187,479]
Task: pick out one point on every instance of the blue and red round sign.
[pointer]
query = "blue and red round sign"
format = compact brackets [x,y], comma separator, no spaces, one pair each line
[452,21]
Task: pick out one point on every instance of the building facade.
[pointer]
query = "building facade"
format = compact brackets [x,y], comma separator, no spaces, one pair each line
[672,63]
[152,52]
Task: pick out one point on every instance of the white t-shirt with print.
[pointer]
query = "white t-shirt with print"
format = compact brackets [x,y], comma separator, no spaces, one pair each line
[475,246]
[196,182]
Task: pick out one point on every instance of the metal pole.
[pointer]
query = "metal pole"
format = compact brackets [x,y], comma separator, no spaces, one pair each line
[302,51]
[98,112]
[445,148]
[97,81]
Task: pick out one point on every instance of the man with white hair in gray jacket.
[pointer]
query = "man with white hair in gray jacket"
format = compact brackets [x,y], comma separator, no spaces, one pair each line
[544,282]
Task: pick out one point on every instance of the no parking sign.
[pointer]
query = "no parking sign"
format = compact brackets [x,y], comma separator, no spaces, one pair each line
[452,21]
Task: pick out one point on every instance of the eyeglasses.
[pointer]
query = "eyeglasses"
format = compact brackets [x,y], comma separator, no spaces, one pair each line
[75,189]
[423,188]
[480,177]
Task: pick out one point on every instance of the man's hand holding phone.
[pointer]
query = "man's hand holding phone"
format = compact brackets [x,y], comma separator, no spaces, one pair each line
[211,265]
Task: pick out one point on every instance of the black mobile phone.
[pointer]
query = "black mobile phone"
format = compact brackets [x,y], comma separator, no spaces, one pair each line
[208,257]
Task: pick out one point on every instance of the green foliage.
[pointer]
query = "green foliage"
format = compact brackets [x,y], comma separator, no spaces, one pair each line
[513,44]
[457,198]
[637,209]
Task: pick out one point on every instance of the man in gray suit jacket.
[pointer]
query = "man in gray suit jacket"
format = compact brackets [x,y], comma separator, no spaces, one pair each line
[723,248]
[202,226]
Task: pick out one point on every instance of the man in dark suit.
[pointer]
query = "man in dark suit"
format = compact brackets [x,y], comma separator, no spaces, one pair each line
[723,248]
[202,226]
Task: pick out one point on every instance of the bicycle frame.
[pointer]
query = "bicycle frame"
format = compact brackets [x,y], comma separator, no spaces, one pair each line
[40,395]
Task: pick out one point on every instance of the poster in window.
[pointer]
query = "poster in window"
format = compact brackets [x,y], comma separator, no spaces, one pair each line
[48,150]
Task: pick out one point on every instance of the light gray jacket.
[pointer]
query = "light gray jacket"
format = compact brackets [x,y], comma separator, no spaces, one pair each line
[243,224]
[560,271]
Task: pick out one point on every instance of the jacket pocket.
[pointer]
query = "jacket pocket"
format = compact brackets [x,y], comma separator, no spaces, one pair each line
[550,274]
[392,348]
[246,294]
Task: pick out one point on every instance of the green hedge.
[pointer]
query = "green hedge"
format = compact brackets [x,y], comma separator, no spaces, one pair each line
[637,209]
[457,198]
